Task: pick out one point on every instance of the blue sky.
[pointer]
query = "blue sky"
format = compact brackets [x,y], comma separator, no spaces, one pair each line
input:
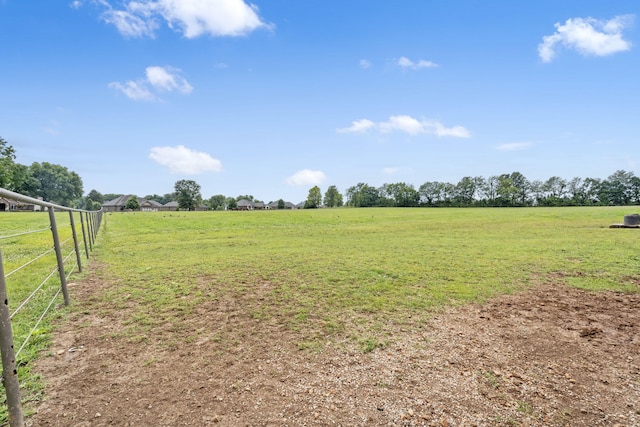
[273,97]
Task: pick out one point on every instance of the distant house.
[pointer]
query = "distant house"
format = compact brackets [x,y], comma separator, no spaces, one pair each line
[9,205]
[118,204]
[170,206]
[115,205]
[244,205]
[149,205]
[202,208]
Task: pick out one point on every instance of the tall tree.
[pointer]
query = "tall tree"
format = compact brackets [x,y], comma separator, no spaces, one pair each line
[466,190]
[591,190]
[7,157]
[231,203]
[429,193]
[522,186]
[616,190]
[575,191]
[54,183]
[217,202]
[555,191]
[400,194]
[362,195]
[314,199]
[187,194]
[93,201]
[332,197]
[490,190]
[506,191]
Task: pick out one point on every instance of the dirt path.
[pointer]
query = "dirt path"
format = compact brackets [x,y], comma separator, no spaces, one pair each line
[550,356]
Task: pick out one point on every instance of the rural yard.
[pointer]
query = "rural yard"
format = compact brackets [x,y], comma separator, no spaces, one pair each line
[551,355]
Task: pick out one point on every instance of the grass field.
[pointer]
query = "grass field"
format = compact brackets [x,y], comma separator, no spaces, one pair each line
[345,273]
[345,276]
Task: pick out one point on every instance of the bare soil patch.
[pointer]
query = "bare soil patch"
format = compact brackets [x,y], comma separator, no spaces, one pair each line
[549,356]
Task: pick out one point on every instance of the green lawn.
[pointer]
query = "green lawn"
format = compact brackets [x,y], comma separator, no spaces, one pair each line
[348,276]
[349,271]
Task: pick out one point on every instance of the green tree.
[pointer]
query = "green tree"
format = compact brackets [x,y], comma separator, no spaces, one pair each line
[7,157]
[522,188]
[490,190]
[281,204]
[54,183]
[617,189]
[362,195]
[231,203]
[187,194]
[217,202]
[96,196]
[314,199]
[466,190]
[555,190]
[634,190]
[20,177]
[332,197]
[400,194]
[591,189]
[429,193]
[132,203]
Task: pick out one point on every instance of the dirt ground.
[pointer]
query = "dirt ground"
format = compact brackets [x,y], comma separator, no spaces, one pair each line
[550,356]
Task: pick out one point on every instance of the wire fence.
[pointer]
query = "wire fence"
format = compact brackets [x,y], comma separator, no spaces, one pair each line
[38,255]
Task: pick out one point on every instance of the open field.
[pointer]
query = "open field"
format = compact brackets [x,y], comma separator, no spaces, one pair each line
[352,317]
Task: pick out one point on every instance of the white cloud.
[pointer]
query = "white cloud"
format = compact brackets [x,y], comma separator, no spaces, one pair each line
[406,63]
[514,146]
[358,126]
[182,160]
[588,36]
[158,79]
[364,63]
[138,91]
[131,25]
[409,125]
[77,4]
[456,131]
[167,79]
[306,177]
[193,18]
[402,123]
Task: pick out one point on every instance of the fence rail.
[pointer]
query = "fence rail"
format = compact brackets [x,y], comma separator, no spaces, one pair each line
[35,263]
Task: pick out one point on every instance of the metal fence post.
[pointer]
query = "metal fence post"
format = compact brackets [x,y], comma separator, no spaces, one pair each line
[56,245]
[75,241]
[91,227]
[9,369]
[84,236]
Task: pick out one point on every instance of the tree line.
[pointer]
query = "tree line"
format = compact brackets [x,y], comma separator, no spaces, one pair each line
[55,183]
[51,182]
[506,190]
